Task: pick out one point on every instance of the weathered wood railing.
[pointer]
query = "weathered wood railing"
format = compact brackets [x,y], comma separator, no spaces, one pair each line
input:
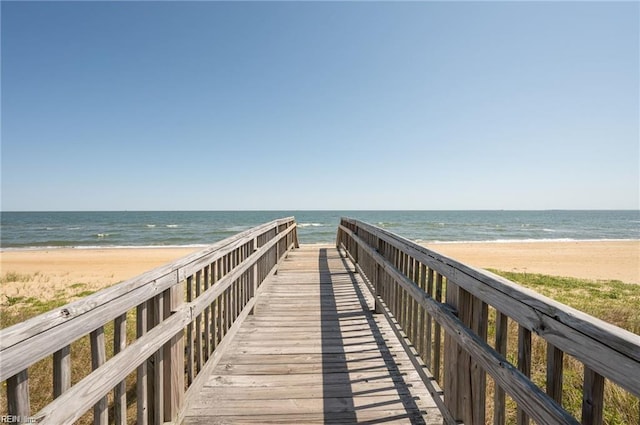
[185,313]
[444,309]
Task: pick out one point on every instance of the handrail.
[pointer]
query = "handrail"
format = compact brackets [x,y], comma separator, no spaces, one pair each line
[426,293]
[196,302]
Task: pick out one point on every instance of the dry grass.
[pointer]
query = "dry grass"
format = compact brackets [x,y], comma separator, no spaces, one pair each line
[612,301]
[41,373]
[18,308]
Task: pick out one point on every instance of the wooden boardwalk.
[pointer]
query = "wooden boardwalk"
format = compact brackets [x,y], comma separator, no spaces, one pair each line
[253,330]
[313,352]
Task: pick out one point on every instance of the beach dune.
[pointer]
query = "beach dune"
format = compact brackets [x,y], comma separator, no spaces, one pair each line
[71,272]
[49,273]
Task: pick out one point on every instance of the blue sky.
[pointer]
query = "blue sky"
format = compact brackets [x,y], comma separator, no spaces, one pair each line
[297,105]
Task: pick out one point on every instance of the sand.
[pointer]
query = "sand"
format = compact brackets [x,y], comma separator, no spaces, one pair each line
[71,272]
[607,260]
[66,272]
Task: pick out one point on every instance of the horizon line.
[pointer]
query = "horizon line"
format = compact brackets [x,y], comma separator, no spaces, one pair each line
[324,210]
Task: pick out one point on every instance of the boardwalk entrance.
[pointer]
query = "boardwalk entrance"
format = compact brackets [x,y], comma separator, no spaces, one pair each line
[313,352]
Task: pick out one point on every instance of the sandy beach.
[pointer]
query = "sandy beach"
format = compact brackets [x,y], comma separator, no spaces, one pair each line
[46,273]
[595,260]
[68,272]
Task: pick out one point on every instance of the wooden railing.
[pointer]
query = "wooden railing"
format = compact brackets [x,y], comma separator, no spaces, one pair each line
[185,313]
[443,310]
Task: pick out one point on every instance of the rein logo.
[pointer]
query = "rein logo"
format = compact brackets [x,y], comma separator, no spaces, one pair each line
[16,419]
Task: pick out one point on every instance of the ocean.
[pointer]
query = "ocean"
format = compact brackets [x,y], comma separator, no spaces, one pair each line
[29,230]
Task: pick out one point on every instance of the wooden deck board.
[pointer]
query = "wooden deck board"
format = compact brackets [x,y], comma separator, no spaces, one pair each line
[313,352]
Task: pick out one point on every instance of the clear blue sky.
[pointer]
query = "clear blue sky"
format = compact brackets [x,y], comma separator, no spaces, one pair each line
[211,105]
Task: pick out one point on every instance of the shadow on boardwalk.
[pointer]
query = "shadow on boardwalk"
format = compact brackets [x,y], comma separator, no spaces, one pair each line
[337,370]
[314,352]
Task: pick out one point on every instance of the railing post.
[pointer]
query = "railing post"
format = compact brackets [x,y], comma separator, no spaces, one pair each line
[355,246]
[377,284]
[141,372]
[451,356]
[479,324]
[120,390]
[159,360]
[173,358]
[499,409]
[524,366]
[18,394]
[554,372]
[592,398]
[254,272]
[98,357]
[61,371]
[465,388]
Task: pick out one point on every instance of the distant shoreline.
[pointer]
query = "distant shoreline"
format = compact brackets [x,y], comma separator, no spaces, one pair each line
[42,273]
[197,229]
[202,246]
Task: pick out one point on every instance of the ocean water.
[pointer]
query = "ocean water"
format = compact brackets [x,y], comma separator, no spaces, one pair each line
[25,230]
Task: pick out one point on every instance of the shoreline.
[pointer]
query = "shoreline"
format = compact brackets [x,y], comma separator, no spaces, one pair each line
[421,242]
[51,273]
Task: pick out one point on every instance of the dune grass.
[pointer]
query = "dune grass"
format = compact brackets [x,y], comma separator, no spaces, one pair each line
[614,302]
[610,300]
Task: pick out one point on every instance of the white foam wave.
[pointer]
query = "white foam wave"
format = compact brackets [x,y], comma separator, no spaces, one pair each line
[236,228]
[310,224]
[151,226]
[172,226]
[508,241]
[89,247]
[103,235]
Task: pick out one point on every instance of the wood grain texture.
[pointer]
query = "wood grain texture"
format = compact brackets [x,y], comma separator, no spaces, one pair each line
[98,357]
[528,396]
[120,391]
[174,364]
[61,371]
[554,373]
[45,334]
[593,398]
[620,340]
[524,366]
[606,349]
[18,394]
[157,353]
[499,402]
[313,351]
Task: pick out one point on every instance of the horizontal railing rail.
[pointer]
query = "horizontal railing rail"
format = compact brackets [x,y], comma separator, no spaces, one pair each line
[443,310]
[185,314]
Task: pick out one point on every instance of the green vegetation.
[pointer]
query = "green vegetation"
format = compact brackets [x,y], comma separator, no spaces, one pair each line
[17,277]
[19,308]
[612,301]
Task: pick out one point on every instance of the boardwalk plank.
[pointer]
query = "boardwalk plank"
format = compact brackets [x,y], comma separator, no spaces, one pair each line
[314,352]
